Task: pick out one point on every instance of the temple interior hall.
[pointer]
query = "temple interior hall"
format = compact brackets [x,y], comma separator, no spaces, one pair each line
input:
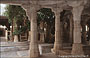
[44,28]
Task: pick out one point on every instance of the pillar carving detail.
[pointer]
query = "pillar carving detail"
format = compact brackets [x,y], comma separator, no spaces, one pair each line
[58,38]
[77,48]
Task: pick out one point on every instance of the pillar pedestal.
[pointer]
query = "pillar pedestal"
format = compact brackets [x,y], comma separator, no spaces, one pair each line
[77,49]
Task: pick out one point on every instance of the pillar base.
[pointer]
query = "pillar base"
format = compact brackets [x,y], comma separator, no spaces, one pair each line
[34,55]
[34,51]
[77,49]
[57,48]
[56,52]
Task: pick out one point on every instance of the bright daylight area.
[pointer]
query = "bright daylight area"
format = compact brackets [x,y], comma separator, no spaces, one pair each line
[2,9]
[44,29]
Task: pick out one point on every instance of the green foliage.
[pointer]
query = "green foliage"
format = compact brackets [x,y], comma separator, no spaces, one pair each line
[27,24]
[18,15]
[48,18]
[15,12]
[16,32]
[46,15]
[23,29]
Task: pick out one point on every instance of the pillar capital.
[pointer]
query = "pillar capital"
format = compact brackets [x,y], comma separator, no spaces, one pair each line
[76,3]
[35,6]
[26,7]
[57,10]
[30,9]
[77,11]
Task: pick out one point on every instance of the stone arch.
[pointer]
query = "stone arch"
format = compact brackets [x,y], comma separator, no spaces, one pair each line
[48,36]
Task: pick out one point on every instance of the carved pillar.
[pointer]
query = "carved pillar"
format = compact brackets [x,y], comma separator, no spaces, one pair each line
[34,49]
[71,28]
[31,11]
[77,48]
[58,38]
[6,35]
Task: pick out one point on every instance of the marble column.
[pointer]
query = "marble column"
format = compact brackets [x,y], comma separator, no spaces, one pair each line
[6,35]
[34,49]
[31,11]
[58,38]
[29,36]
[77,48]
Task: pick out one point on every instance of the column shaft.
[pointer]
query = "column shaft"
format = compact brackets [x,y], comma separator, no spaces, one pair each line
[34,50]
[58,38]
[77,46]
[31,11]
[6,35]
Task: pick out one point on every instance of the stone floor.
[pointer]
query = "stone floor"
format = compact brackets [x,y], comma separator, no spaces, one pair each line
[14,53]
[24,54]
[7,51]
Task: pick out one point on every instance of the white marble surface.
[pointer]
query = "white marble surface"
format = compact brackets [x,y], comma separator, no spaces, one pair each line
[13,52]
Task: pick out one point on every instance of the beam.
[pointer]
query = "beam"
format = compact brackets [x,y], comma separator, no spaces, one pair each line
[13,2]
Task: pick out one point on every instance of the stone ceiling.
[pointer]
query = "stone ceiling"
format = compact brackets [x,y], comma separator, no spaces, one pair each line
[65,4]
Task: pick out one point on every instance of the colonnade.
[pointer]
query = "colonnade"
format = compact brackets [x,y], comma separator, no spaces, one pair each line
[77,48]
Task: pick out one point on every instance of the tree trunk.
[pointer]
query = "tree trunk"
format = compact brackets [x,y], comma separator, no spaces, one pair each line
[42,31]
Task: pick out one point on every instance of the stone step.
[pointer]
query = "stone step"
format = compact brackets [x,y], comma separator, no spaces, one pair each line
[8,48]
[13,43]
[14,46]
[67,44]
